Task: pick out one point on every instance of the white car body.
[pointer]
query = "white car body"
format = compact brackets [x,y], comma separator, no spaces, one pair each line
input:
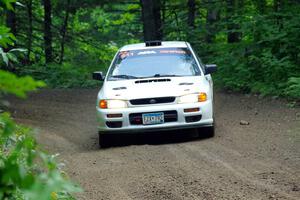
[159,88]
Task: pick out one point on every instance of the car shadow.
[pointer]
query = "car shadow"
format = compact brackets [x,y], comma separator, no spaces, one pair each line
[156,138]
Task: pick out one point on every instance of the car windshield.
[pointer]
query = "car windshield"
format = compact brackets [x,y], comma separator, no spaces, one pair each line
[158,62]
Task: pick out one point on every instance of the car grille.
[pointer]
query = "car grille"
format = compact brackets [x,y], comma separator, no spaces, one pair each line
[169,116]
[156,100]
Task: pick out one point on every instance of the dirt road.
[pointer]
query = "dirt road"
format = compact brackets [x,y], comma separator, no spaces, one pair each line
[256,161]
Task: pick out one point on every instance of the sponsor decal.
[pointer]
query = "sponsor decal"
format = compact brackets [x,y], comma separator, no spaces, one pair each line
[175,51]
[146,52]
[125,54]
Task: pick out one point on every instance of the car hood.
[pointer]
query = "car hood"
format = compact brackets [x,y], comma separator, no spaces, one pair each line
[154,87]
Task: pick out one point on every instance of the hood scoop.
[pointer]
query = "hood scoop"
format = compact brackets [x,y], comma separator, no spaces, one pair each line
[153,80]
[120,88]
[186,83]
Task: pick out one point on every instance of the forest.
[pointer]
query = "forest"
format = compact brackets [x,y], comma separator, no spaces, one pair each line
[59,43]
[255,43]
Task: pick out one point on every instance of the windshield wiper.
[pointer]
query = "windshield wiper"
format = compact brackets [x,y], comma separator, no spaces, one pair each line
[165,75]
[124,76]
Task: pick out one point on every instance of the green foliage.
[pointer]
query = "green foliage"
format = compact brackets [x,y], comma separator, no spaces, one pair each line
[266,60]
[8,4]
[7,38]
[293,87]
[11,84]
[63,76]
[262,60]
[26,172]
[95,36]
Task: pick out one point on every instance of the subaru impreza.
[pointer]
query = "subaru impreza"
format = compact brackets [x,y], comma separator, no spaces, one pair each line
[155,86]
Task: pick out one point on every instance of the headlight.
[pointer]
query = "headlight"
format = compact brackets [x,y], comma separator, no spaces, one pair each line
[193,98]
[112,104]
[190,98]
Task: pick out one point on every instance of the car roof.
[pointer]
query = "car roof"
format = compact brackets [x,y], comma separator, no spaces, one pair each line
[164,44]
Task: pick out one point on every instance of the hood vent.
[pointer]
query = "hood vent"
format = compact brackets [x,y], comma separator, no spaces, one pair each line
[185,83]
[153,80]
[120,88]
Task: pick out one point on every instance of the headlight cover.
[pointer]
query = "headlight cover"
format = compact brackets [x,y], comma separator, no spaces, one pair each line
[189,98]
[112,104]
[193,98]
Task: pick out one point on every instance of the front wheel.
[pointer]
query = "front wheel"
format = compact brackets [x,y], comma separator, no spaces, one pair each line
[206,131]
[105,140]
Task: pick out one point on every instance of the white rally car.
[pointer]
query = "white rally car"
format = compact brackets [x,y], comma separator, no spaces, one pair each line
[155,86]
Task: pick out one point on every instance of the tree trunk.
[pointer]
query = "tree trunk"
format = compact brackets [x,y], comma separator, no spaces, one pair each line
[163,9]
[29,34]
[211,18]
[64,31]
[232,7]
[151,17]
[47,31]
[191,13]
[278,6]
[157,17]
[11,20]
[261,6]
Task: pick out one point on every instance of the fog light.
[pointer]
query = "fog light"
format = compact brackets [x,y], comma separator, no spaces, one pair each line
[191,110]
[114,124]
[190,119]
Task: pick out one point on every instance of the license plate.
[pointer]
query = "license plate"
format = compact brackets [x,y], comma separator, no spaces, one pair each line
[153,118]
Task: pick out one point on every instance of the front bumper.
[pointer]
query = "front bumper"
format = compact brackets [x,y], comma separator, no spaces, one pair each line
[205,111]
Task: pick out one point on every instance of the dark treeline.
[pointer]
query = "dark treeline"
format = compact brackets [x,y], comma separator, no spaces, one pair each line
[256,43]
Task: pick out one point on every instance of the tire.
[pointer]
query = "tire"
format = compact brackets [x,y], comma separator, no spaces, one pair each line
[210,131]
[105,140]
[207,132]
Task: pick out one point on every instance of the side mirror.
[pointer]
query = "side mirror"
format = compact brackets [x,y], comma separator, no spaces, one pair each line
[98,76]
[209,69]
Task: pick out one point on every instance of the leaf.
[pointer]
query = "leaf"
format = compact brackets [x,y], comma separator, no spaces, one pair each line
[8,4]
[19,86]
[4,56]
[20,4]
[12,57]
[18,50]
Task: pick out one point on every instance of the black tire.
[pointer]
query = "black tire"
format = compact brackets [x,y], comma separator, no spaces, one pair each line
[207,132]
[105,140]
[210,131]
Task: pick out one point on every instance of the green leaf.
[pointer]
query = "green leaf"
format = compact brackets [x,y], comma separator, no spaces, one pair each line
[19,86]
[4,56]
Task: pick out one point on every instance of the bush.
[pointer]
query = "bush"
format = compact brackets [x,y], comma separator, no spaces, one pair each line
[11,84]
[265,61]
[62,76]
[293,87]
[26,172]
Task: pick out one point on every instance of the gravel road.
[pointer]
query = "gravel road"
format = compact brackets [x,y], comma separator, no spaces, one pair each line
[256,161]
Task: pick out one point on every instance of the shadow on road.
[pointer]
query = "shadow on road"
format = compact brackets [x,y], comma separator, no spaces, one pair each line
[155,138]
